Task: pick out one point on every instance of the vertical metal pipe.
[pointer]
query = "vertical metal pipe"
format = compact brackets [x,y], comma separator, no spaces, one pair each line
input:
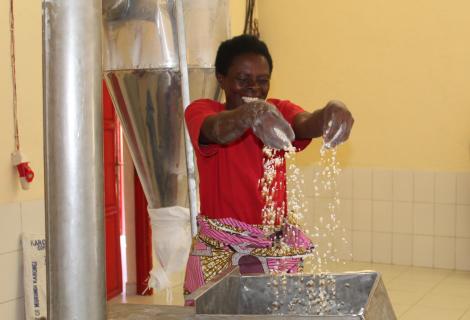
[73,159]
[186,100]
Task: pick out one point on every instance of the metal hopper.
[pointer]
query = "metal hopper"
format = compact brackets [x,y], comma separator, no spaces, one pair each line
[358,295]
[144,73]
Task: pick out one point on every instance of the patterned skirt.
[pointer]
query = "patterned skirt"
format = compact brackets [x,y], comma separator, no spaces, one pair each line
[222,243]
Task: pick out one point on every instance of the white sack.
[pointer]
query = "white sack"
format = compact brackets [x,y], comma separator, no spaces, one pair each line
[171,242]
[34,276]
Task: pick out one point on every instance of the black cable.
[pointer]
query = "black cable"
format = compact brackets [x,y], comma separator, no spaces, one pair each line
[247,14]
[251,24]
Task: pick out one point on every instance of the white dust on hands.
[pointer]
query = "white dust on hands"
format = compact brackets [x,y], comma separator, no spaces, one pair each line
[285,140]
[281,135]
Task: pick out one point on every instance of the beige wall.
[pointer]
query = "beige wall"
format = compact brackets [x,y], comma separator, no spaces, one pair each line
[402,67]
[237,16]
[29,87]
[20,211]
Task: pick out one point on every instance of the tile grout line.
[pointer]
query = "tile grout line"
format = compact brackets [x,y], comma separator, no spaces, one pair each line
[427,292]
[413,230]
[11,300]
[21,216]
[12,251]
[392,255]
[455,223]
[467,311]
[371,195]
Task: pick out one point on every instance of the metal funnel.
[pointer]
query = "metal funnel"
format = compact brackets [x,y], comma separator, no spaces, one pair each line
[355,295]
[142,71]
[358,296]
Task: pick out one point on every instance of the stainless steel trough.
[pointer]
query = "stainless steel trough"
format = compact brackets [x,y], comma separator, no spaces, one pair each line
[358,295]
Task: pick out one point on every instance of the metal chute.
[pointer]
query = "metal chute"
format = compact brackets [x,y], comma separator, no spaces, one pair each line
[143,71]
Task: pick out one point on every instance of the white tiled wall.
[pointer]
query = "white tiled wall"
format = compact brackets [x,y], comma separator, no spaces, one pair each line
[389,216]
[405,217]
[16,218]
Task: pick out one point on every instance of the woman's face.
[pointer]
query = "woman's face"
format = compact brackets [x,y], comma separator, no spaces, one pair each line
[248,76]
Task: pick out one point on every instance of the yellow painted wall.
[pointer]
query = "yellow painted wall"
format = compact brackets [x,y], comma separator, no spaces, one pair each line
[29,88]
[237,16]
[402,67]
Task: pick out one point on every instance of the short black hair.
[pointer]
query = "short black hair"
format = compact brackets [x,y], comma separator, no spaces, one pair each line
[231,48]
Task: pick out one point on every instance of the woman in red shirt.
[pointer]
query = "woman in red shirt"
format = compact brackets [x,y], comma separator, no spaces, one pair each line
[228,140]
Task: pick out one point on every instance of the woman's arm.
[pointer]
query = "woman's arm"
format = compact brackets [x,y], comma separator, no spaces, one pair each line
[334,122]
[226,126]
[264,118]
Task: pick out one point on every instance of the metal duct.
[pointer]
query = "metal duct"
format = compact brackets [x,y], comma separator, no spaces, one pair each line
[142,71]
[73,159]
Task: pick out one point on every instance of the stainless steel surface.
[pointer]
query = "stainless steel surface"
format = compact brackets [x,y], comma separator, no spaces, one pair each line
[73,159]
[115,9]
[207,25]
[190,164]
[131,9]
[148,103]
[154,312]
[380,307]
[143,73]
[359,295]
[142,34]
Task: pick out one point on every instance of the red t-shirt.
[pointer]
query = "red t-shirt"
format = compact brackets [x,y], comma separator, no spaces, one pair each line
[229,174]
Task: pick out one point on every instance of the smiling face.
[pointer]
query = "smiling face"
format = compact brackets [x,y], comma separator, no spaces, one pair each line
[248,76]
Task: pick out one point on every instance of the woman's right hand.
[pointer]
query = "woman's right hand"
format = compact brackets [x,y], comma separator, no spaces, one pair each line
[268,124]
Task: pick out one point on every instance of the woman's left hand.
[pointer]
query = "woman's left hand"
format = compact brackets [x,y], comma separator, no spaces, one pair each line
[337,123]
